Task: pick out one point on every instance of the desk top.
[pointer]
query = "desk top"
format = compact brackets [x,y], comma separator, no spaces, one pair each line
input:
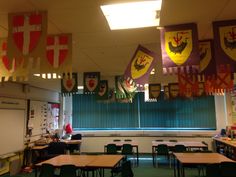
[71,141]
[191,144]
[227,141]
[201,158]
[80,161]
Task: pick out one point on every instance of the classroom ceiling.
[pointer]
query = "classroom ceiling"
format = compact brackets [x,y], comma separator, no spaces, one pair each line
[96,47]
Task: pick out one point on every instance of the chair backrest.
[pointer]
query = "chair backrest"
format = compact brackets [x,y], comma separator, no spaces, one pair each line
[162,149]
[126,170]
[173,140]
[116,140]
[228,169]
[127,149]
[68,171]
[213,170]
[47,170]
[127,140]
[179,148]
[57,148]
[111,149]
[76,137]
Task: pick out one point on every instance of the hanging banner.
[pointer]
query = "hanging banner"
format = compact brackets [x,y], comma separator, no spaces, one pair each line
[140,66]
[166,92]
[207,60]
[173,90]
[13,71]
[58,54]
[179,44]
[188,85]
[91,82]
[224,81]
[27,37]
[69,85]
[125,89]
[201,89]
[102,93]
[154,91]
[225,43]
[120,92]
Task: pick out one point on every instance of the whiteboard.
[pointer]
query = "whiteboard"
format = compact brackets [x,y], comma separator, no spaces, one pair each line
[12,126]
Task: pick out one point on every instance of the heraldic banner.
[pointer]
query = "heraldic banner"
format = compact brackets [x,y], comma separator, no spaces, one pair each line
[27,33]
[58,54]
[125,90]
[69,85]
[179,44]
[140,66]
[8,70]
[225,43]
[154,91]
[91,82]
[102,93]
[207,58]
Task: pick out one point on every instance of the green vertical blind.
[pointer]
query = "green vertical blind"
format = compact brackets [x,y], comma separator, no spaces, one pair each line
[197,113]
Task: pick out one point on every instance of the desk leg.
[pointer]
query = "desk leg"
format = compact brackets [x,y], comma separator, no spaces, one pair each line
[174,166]
[137,155]
[153,153]
[36,171]
[178,168]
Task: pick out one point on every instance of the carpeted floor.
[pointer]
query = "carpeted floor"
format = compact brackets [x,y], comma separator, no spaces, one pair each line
[145,169]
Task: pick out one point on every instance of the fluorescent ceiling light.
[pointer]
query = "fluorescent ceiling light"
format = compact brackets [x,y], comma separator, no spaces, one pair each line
[132,15]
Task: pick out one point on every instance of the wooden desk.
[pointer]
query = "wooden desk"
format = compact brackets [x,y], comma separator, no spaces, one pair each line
[83,161]
[197,158]
[187,144]
[120,144]
[228,144]
[71,141]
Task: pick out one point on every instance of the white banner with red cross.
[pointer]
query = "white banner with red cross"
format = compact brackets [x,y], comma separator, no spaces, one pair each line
[27,36]
[10,69]
[58,54]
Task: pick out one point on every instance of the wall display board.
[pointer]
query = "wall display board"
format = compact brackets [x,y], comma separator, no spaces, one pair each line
[37,119]
[43,118]
[233,103]
[13,121]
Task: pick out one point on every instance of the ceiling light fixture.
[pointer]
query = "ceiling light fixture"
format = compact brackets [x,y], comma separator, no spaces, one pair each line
[133,15]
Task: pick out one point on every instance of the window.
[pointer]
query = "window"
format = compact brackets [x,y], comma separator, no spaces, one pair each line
[197,113]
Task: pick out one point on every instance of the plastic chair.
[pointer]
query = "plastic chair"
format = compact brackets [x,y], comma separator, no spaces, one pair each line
[213,170]
[47,170]
[111,149]
[75,147]
[54,149]
[127,149]
[179,148]
[162,150]
[227,169]
[125,169]
[68,171]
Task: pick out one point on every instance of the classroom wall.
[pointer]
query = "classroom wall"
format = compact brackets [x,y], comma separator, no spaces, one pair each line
[93,141]
[13,90]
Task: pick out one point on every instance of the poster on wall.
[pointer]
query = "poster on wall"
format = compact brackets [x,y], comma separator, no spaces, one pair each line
[233,103]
